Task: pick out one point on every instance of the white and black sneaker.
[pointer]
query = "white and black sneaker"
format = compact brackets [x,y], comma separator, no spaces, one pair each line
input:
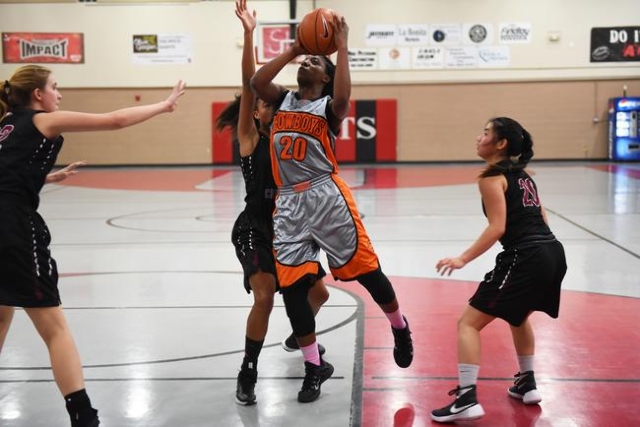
[524,388]
[291,344]
[465,407]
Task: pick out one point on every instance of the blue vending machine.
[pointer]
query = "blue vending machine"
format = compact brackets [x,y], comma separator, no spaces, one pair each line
[624,141]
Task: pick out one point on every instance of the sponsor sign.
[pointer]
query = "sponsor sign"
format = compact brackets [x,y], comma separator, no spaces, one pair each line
[162,49]
[66,48]
[381,35]
[514,32]
[363,59]
[615,44]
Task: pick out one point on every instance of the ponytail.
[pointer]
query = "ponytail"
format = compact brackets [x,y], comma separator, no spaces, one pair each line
[519,146]
[16,92]
[229,116]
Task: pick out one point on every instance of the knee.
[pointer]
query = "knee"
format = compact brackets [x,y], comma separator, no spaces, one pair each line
[319,294]
[263,300]
[263,286]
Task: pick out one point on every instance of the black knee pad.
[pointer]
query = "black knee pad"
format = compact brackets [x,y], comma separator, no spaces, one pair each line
[378,285]
[299,311]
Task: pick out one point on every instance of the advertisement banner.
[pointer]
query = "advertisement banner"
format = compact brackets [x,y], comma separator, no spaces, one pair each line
[153,49]
[65,48]
[615,44]
[368,135]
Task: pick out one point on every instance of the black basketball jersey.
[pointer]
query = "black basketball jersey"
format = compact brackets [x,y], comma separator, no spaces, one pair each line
[26,157]
[258,180]
[524,212]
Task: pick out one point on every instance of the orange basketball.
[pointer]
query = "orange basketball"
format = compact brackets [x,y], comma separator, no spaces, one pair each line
[316,32]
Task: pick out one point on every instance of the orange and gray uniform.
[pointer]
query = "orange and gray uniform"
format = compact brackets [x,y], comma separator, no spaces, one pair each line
[314,207]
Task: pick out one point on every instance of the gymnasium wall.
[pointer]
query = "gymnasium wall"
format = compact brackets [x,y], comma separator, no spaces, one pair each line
[550,86]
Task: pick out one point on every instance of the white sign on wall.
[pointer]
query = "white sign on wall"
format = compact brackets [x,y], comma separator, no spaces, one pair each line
[381,35]
[477,33]
[394,58]
[493,56]
[413,34]
[363,59]
[427,57]
[162,49]
[461,57]
[445,34]
[514,32]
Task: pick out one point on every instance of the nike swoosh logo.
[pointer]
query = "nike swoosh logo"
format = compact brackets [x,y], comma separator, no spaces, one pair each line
[455,410]
[325,28]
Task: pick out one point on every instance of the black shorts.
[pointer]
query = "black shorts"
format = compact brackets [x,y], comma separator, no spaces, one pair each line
[526,278]
[253,239]
[28,274]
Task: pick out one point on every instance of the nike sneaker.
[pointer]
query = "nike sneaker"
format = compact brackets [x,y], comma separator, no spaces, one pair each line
[465,407]
[403,345]
[524,388]
[313,379]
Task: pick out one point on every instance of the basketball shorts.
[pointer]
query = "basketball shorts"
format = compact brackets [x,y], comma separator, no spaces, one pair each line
[28,274]
[526,278]
[252,238]
[321,214]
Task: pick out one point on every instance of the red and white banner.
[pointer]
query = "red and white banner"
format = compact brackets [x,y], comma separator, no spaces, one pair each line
[368,135]
[66,48]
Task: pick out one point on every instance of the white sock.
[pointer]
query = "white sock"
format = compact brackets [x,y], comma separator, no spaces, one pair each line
[467,374]
[526,363]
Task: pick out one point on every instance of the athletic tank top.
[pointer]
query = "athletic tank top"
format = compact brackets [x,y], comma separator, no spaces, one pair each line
[26,157]
[258,180]
[524,214]
[302,142]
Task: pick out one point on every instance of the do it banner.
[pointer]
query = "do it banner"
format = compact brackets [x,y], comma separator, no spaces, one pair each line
[67,48]
[615,44]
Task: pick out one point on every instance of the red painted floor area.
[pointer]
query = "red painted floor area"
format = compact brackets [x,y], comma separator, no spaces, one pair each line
[585,372]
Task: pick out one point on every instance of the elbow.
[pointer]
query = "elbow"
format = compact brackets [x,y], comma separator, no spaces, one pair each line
[118,121]
[254,82]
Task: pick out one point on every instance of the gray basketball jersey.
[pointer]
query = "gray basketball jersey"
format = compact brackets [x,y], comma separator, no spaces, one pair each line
[302,142]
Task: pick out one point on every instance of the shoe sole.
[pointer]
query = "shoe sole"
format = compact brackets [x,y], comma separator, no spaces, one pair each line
[532,397]
[247,403]
[473,413]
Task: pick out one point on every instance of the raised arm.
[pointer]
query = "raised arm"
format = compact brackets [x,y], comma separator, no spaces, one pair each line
[342,78]
[247,133]
[55,123]
[262,81]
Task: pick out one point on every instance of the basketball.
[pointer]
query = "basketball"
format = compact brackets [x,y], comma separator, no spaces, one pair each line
[316,32]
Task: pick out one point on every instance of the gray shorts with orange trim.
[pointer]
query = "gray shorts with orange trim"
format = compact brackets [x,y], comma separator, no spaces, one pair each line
[315,215]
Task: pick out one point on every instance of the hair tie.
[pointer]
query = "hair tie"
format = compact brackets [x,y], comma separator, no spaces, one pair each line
[7,87]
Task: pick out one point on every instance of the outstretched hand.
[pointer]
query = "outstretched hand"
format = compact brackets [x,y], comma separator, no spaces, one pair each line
[247,17]
[65,172]
[446,265]
[178,91]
